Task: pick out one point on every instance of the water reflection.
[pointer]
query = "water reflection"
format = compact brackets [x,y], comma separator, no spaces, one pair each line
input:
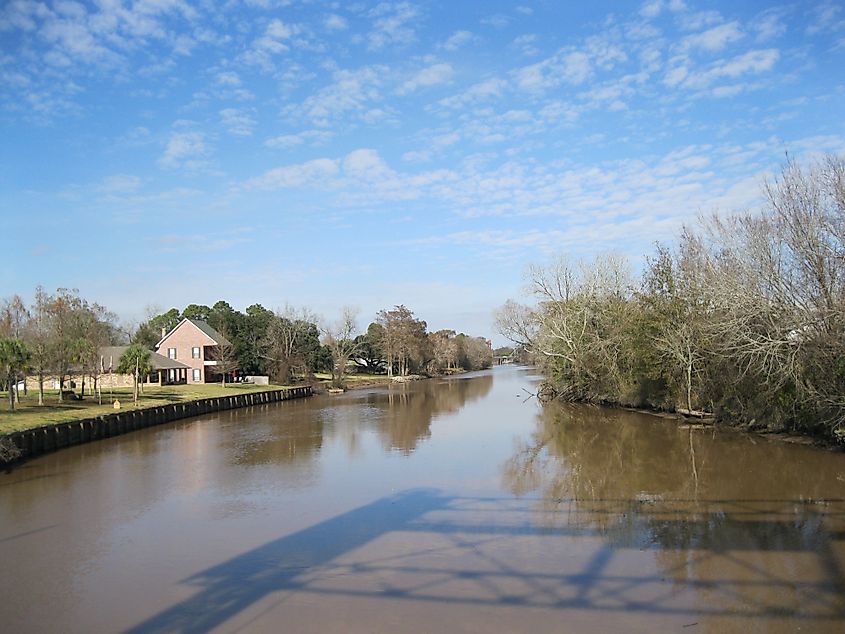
[400,415]
[408,410]
[296,439]
[744,522]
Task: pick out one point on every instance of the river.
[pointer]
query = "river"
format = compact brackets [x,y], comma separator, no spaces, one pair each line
[448,505]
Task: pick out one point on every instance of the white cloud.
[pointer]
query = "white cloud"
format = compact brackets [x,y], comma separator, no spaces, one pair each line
[295,175]
[366,165]
[184,149]
[527,44]
[699,20]
[274,41]
[497,21]
[457,40]
[421,156]
[482,91]
[430,76]
[119,184]
[566,66]
[769,25]
[310,137]
[238,122]
[334,22]
[651,9]
[714,39]
[752,62]
[391,25]
[826,17]
[351,93]
[228,79]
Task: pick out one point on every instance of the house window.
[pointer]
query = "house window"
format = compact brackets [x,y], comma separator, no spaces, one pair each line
[171,353]
[197,378]
[195,353]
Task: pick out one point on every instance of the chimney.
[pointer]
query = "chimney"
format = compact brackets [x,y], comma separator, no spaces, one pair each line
[163,332]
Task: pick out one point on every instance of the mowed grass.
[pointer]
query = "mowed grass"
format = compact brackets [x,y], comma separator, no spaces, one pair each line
[28,414]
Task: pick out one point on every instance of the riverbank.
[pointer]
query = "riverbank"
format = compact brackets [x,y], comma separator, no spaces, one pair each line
[364,381]
[43,438]
[711,422]
[29,414]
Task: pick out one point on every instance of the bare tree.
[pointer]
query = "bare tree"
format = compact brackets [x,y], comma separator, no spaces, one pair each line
[445,349]
[37,334]
[339,336]
[284,342]
[14,316]
[404,339]
[225,357]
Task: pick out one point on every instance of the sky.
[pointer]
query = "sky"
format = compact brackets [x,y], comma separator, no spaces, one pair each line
[156,153]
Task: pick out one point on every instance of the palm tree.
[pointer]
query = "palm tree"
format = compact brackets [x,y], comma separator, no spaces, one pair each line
[135,360]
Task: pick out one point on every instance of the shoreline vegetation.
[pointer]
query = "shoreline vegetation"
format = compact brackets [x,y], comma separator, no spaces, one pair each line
[742,319]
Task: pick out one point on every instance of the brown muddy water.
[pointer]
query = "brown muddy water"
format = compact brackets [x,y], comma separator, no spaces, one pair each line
[451,505]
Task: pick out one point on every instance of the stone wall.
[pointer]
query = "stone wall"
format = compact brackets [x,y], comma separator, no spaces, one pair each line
[33,442]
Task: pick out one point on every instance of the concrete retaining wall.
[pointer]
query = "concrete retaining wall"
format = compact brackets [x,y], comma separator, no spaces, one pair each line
[33,442]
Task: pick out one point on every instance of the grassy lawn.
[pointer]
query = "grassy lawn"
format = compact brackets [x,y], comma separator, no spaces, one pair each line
[28,414]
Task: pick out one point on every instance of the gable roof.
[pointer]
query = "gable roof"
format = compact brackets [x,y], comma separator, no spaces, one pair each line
[219,339]
[111,357]
[203,327]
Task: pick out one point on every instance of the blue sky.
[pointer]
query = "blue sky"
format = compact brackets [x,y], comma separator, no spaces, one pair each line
[163,152]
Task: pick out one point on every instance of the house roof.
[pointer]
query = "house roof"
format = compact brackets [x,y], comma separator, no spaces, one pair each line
[211,332]
[111,358]
[203,327]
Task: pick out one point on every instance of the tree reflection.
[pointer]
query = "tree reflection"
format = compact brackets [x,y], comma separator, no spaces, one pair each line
[408,410]
[706,502]
[295,438]
[401,415]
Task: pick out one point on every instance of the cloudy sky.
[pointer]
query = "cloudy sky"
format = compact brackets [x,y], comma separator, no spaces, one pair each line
[161,152]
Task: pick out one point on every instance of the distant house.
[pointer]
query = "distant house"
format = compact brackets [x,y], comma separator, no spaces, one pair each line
[193,343]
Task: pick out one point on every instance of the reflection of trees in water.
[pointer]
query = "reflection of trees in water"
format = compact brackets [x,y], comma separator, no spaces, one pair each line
[586,453]
[583,453]
[409,409]
[402,414]
[294,439]
[645,483]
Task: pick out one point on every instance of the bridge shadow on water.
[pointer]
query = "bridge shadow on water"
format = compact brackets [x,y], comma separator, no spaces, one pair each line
[769,559]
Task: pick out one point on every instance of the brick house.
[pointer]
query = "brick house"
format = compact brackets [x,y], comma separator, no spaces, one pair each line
[193,343]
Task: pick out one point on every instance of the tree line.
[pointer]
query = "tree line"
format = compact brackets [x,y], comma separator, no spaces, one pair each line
[59,335]
[292,343]
[744,317]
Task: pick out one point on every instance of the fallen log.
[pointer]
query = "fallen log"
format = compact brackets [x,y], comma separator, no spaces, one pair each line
[692,413]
